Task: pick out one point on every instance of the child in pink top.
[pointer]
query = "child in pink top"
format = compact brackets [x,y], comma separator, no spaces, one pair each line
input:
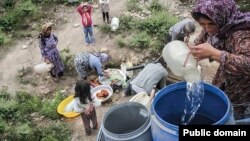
[85,11]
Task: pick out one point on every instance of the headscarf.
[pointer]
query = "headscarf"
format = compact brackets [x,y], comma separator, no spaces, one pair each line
[190,27]
[225,14]
[46,26]
[104,57]
[42,34]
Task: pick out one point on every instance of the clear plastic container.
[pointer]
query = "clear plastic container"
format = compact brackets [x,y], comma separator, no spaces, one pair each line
[180,62]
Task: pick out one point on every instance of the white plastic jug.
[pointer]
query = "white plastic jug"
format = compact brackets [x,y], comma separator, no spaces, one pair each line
[115,23]
[42,68]
[126,65]
[141,98]
[176,53]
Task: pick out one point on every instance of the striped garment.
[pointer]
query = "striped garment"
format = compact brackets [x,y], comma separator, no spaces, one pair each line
[81,63]
[177,32]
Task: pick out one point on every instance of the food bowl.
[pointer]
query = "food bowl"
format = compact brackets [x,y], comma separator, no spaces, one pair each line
[61,108]
[98,89]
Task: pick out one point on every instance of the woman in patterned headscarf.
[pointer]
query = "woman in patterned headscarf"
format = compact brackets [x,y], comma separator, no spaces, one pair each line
[85,62]
[49,51]
[226,39]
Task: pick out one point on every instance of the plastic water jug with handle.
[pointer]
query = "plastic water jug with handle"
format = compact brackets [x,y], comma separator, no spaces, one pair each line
[180,61]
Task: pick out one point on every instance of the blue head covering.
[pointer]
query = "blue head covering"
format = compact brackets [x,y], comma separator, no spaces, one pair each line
[104,57]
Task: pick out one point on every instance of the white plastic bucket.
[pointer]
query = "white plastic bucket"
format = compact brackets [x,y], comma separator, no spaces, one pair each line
[141,98]
[42,68]
[115,23]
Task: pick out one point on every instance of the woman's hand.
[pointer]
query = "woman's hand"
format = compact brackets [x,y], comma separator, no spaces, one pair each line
[89,110]
[86,111]
[107,73]
[204,51]
[91,107]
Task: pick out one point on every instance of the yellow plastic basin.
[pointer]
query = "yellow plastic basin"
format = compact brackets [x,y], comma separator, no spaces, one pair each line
[63,104]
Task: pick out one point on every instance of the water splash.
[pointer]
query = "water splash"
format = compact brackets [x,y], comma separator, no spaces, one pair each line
[193,100]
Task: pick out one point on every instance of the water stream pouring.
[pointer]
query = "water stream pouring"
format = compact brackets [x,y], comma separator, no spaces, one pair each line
[182,63]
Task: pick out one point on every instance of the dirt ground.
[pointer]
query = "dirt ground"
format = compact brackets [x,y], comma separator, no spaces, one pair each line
[25,53]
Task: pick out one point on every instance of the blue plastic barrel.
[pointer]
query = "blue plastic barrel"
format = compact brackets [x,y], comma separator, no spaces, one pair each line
[168,107]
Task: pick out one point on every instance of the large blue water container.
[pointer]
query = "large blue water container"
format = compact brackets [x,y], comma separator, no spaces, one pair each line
[168,107]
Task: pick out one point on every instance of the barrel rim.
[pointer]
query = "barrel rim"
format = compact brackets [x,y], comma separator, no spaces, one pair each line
[181,85]
[132,134]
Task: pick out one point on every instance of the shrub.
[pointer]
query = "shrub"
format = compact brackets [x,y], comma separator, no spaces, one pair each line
[120,42]
[27,103]
[17,124]
[20,132]
[133,6]
[49,108]
[8,109]
[155,6]
[158,24]
[2,126]
[156,47]
[4,94]
[3,38]
[50,1]
[127,23]
[140,41]
[105,28]
[7,22]
[244,6]
[15,16]
[68,61]
[57,131]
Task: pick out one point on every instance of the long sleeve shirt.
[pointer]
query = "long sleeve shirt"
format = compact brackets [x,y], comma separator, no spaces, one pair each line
[78,106]
[46,44]
[95,63]
[85,16]
[152,75]
[233,74]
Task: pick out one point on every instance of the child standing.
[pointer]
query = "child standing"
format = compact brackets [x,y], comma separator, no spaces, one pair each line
[105,9]
[83,104]
[85,11]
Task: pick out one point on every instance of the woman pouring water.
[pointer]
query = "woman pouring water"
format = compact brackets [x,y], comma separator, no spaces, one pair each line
[225,38]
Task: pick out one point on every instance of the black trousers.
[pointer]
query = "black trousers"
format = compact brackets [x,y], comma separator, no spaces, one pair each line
[105,15]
